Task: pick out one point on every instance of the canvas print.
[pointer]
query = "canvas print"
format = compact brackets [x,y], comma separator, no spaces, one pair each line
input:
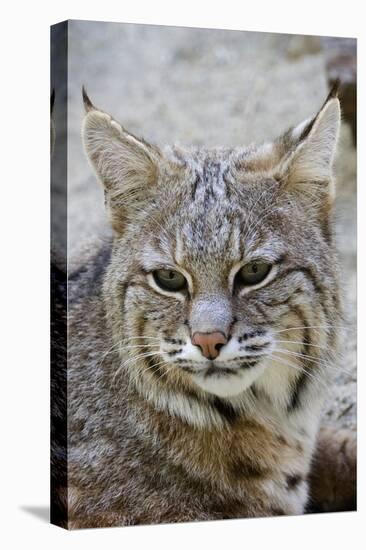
[203,359]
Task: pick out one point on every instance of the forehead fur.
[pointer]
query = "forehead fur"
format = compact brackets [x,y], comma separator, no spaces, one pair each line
[214,187]
[206,209]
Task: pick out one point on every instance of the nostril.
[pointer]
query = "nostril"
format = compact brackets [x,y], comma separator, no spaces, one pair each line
[219,346]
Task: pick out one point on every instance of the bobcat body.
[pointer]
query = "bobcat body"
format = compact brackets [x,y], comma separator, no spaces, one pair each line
[202,336]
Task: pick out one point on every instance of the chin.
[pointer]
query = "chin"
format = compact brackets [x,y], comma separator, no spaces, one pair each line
[224,384]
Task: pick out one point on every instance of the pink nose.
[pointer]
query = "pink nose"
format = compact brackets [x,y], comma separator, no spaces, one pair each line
[210,343]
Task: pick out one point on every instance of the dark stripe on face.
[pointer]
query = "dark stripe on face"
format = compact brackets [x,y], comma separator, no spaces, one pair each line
[174,341]
[188,369]
[327,229]
[321,290]
[123,291]
[306,339]
[172,353]
[301,382]
[264,315]
[307,271]
[257,347]
[295,399]
[153,368]
[253,334]
[194,186]
[229,186]
[285,301]
[248,364]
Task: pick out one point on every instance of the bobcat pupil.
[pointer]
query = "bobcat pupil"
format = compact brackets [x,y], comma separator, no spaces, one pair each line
[168,279]
[253,273]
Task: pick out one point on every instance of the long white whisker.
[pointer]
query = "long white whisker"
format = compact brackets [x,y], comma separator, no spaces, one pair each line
[142,337]
[327,364]
[167,371]
[149,345]
[132,359]
[310,326]
[303,356]
[302,343]
[142,369]
[123,347]
[137,357]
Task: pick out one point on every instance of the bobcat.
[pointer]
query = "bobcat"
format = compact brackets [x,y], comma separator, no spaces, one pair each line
[202,336]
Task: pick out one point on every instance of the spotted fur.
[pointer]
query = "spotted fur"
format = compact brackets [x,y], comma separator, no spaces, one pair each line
[156,431]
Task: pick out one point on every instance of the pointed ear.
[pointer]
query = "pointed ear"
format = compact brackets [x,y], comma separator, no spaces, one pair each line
[309,150]
[126,166]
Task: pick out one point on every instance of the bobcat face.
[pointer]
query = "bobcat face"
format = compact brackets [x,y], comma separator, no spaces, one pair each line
[223,262]
[213,284]
[208,274]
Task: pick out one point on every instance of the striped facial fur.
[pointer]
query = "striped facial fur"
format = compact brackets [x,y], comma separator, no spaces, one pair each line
[222,282]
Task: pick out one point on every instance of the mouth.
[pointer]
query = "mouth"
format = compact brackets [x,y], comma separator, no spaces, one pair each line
[225,379]
[218,370]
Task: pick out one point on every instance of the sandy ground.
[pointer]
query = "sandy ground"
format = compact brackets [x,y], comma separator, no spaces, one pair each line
[211,87]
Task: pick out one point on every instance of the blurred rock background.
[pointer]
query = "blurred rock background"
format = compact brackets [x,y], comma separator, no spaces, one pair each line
[210,87]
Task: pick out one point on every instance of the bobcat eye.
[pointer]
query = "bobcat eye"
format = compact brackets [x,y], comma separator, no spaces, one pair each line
[253,273]
[168,279]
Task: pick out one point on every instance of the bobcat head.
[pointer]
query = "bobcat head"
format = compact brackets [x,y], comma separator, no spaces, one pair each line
[223,273]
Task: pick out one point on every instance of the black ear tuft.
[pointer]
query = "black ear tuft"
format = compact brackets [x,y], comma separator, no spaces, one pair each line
[334,91]
[88,105]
